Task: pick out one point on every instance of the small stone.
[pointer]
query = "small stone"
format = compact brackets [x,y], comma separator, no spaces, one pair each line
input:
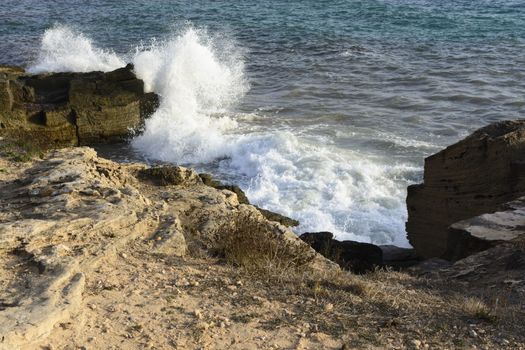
[472,333]
[416,343]
[123,255]
[198,314]
[203,326]
[328,307]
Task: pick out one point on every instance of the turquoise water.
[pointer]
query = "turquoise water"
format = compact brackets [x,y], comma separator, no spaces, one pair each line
[331,106]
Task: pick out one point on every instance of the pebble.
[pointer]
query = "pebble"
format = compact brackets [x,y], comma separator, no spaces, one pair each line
[416,343]
[328,307]
[198,314]
[203,325]
[472,333]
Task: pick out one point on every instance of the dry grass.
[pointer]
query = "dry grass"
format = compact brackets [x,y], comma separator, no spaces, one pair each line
[259,249]
[476,308]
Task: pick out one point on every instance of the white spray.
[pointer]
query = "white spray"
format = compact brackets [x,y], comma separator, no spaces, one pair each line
[325,187]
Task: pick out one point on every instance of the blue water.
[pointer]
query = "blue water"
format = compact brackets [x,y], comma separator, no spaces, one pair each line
[345,98]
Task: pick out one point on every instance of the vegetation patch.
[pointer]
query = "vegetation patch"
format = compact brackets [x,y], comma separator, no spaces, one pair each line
[258,248]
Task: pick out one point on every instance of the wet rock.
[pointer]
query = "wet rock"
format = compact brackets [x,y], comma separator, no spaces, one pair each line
[472,177]
[354,256]
[68,109]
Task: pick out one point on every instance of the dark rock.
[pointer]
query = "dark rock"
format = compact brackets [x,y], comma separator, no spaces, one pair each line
[482,232]
[472,177]
[430,266]
[208,180]
[283,220]
[354,256]
[68,109]
[399,258]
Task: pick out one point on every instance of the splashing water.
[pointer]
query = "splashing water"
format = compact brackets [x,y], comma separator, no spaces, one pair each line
[325,187]
[193,85]
[66,50]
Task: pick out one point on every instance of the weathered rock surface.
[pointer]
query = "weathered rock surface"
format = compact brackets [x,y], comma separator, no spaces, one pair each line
[482,232]
[72,213]
[354,256]
[68,109]
[472,177]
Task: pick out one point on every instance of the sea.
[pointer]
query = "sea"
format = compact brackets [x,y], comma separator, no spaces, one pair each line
[321,110]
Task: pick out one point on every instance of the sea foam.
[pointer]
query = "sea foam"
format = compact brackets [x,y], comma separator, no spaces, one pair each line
[199,80]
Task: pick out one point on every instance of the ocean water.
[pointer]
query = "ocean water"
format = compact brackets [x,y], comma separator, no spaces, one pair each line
[321,110]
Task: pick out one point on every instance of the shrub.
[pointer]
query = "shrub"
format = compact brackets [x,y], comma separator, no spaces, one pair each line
[259,248]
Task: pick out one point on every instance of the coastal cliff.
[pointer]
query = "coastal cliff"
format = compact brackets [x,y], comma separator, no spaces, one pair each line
[475,176]
[96,254]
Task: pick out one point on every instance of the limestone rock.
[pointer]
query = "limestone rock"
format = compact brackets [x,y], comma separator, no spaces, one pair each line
[354,256]
[472,177]
[170,175]
[67,109]
[64,217]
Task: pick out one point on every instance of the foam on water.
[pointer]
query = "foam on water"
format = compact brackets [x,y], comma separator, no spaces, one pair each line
[354,195]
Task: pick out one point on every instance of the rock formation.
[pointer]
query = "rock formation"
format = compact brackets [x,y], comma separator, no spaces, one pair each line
[67,215]
[354,256]
[482,232]
[69,109]
[472,177]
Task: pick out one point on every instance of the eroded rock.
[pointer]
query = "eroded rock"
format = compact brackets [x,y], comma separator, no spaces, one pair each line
[68,109]
[472,177]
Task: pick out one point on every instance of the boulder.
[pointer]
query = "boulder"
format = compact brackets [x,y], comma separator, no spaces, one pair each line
[485,231]
[68,109]
[472,177]
[399,258]
[354,256]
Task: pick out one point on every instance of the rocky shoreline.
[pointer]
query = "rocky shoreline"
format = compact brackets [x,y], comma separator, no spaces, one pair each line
[97,254]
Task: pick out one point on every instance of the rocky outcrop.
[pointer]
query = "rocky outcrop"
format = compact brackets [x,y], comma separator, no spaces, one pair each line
[65,217]
[482,232]
[68,109]
[472,177]
[354,256]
